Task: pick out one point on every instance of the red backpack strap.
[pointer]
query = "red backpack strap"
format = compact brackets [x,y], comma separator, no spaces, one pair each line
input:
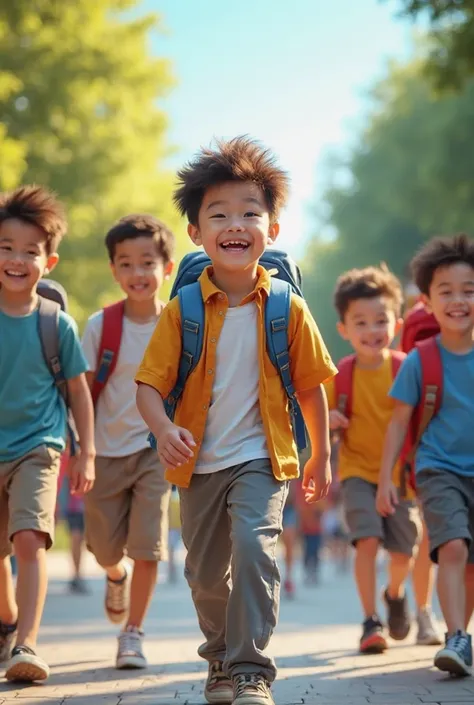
[397,357]
[343,385]
[112,326]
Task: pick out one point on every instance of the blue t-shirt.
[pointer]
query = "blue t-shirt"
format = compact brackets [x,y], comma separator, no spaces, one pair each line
[32,412]
[448,442]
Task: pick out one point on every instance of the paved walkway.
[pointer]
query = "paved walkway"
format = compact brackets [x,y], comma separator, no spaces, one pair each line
[314,646]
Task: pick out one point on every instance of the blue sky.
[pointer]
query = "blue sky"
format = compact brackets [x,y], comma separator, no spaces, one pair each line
[292,73]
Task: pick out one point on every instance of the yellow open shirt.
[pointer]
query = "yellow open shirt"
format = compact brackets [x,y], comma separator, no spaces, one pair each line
[310,365]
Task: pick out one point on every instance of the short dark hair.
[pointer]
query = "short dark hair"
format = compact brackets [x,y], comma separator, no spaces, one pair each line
[239,159]
[367,283]
[37,206]
[438,253]
[136,225]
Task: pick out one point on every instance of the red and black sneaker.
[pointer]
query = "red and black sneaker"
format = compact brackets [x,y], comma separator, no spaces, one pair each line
[373,639]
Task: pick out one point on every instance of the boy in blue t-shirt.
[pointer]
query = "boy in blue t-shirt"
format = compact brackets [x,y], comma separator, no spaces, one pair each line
[444,272]
[33,421]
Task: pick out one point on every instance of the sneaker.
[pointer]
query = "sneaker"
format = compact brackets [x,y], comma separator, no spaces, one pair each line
[78,586]
[130,649]
[26,666]
[252,689]
[117,594]
[428,634]
[372,640]
[7,639]
[398,617]
[456,657]
[219,688]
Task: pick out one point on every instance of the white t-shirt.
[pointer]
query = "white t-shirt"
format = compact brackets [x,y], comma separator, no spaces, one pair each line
[119,428]
[234,429]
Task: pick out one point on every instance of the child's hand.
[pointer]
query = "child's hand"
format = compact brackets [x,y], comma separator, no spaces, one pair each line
[317,479]
[175,446]
[337,420]
[387,499]
[81,470]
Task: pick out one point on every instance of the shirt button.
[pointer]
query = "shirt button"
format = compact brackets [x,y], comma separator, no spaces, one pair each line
[210,372]
[205,407]
[213,340]
[221,313]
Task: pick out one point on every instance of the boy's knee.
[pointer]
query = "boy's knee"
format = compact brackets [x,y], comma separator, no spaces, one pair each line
[368,546]
[27,544]
[454,551]
[400,559]
[248,546]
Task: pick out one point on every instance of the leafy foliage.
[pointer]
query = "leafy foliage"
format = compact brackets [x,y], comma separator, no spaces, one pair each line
[411,177]
[79,112]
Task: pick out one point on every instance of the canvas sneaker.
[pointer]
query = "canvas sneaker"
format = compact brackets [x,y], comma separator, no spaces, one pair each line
[130,649]
[218,688]
[456,656]
[26,666]
[7,639]
[428,634]
[117,596]
[252,689]
[373,639]
[398,616]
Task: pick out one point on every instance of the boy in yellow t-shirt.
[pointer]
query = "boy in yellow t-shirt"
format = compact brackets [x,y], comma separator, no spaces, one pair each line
[369,303]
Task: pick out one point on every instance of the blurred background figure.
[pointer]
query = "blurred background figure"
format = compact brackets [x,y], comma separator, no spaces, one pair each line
[174,535]
[309,524]
[70,510]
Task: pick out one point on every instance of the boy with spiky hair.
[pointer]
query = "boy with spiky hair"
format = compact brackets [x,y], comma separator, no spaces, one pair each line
[230,448]
[444,273]
[369,303]
[33,420]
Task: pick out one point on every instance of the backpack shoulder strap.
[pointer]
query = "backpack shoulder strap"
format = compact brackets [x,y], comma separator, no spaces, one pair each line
[192,337]
[343,384]
[112,327]
[48,322]
[431,389]
[277,317]
[397,357]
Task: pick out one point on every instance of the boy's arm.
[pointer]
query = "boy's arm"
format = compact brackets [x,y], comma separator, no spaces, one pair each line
[406,392]
[175,444]
[317,471]
[82,473]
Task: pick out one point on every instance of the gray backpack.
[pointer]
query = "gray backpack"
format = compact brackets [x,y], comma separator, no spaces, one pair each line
[52,300]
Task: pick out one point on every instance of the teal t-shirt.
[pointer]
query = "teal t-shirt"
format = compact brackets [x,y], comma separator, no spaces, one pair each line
[32,412]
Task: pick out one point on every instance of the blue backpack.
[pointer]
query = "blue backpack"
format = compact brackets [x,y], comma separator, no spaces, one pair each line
[277,314]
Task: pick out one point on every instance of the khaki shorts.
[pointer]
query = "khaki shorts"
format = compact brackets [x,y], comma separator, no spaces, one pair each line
[28,490]
[127,509]
[448,508]
[399,533]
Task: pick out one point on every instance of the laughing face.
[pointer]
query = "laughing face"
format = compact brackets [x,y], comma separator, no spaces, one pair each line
[451,298]
[23,257]
[234,225]
[370,326]
[138,268]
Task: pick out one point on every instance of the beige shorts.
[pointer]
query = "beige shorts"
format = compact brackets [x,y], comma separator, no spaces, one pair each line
[399,533]
[127,509]
[448,508]
[28,490]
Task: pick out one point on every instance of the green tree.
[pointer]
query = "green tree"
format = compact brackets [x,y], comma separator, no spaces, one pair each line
[80,113]
[411,176]
[451,59]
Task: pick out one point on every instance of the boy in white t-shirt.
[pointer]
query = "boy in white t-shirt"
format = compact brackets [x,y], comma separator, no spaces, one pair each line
[129,506]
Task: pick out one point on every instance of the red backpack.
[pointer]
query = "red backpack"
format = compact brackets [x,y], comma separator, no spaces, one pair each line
[112,326]
[418,325]
[432,386]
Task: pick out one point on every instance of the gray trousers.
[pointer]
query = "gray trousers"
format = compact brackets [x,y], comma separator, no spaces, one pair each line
[231,521]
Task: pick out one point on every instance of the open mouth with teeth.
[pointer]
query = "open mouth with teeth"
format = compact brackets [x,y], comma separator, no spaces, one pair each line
[235,246]
[139,287]
[15,275]
[457,314]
